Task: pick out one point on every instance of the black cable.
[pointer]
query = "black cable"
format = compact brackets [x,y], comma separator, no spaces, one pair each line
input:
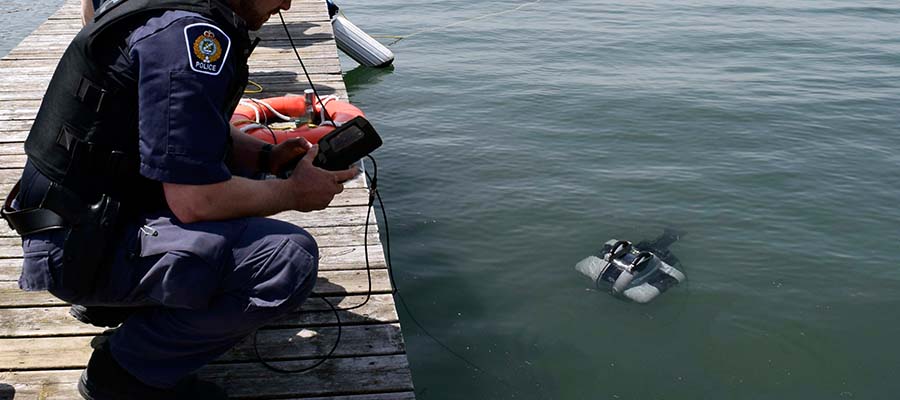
[305,72]
[304,369]
[274,138]
[373,188]
[370,202]
[396,291]
[373,194]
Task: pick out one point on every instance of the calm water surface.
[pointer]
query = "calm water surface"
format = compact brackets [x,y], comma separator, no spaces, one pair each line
[516,144]
[18,18]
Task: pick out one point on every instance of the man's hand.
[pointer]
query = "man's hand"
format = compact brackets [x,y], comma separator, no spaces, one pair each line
[308,188]
[286,154]
[314,188]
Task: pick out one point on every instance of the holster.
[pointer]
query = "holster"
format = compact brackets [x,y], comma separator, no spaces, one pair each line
[87,244]
[89,231]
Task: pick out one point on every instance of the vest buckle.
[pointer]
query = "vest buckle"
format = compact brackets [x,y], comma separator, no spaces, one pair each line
[90,94]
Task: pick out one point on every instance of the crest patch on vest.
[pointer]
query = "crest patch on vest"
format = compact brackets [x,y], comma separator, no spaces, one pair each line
[207,48]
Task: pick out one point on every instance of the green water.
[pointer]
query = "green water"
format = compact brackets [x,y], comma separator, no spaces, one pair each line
[18,18]
[516,144]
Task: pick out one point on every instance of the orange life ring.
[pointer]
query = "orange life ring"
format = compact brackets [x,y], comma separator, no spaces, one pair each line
[253,117]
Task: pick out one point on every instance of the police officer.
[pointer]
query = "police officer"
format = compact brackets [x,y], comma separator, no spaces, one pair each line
[133,195]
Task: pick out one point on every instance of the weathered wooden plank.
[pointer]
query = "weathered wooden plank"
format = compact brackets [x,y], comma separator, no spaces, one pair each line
[46,52]
[362,309]
[326,236]
[56,44]
[344,376]
[40,321]
[256,64]
[350,197]
[340,239]
[20,126]
[39,385]
[317,67]
[21,94]
[12,296]
[44,353]
[28,62]
[10,246]
[69,23]
[72,9]
[312,23]
[329,283]
[13,126]
[331,258]
[56,321]
[338,236]
[16,128]
[295,83]
[10,176]
[341,258]
[307,51]
[315,342]
[70,352]
[10,268]
[12,161]
[44,72]
[12,148]
[335,89]
[335,216]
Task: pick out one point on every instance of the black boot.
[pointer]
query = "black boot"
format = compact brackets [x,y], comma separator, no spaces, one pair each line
[104,379]
[104,317]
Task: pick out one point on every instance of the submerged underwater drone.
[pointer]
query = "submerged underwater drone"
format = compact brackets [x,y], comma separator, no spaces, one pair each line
[637,272]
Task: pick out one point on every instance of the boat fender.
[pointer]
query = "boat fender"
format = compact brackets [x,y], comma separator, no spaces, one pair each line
[638,275]
[359,45]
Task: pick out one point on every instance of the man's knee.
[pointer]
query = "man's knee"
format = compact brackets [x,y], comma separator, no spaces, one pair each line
[303,239]
[288,275]
[308,268]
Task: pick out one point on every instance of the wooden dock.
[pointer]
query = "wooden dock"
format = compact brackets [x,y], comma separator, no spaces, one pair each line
[43,349]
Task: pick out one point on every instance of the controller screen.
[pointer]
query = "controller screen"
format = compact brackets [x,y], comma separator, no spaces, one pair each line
[345,138]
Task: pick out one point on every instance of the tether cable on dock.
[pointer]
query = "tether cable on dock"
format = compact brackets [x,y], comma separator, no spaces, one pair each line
[373,195]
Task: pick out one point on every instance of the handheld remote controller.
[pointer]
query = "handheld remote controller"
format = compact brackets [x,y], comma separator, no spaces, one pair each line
[346,145]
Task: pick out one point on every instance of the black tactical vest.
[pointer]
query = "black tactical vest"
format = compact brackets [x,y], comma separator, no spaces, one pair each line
[85,135]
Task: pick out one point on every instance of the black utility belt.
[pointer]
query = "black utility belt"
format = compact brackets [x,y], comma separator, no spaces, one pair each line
[90,231]
[59,209]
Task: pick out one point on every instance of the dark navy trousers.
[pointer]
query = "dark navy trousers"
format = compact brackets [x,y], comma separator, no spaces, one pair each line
[209,284]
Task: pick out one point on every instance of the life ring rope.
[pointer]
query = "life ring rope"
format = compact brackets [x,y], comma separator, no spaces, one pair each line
[253,116]
[255,103]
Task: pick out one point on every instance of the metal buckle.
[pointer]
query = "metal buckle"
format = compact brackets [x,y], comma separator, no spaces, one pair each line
[90,93]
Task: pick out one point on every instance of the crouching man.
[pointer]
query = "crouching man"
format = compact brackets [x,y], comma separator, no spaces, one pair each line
[130,204]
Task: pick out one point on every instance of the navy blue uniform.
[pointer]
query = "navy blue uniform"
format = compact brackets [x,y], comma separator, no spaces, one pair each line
[213,282]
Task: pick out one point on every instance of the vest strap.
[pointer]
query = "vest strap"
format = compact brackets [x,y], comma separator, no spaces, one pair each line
[91,94]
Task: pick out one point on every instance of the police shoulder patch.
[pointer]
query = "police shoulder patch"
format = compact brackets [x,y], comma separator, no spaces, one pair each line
[207,48]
